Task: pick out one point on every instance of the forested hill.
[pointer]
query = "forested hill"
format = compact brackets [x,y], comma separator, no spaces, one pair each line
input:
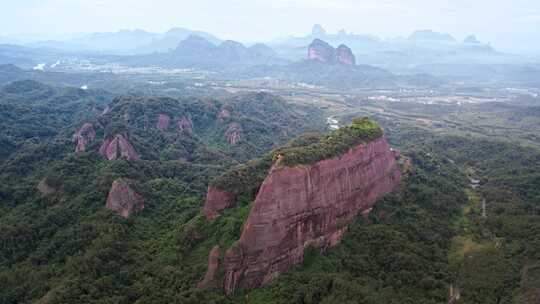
[64,147]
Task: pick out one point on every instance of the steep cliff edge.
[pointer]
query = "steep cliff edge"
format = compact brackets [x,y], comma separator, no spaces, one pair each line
[303,206]
[84,136]
[305,194]
[118,147]
[321,51]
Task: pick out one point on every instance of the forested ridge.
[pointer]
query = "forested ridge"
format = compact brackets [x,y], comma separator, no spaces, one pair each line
[66,247]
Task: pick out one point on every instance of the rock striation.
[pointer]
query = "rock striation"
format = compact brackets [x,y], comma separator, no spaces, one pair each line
[118,147]
[321,51]
[213,265]
[123,199]
[84,136]
[307,205]
[234,133]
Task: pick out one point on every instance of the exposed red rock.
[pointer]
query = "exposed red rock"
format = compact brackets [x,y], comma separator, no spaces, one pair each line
[321,51]
[213,264]
[234,133]
[118,147]
[84,136]
[185,125]
[216,201]
[303,206]
[45,189]
[123,199]
[163,122]
[345,55]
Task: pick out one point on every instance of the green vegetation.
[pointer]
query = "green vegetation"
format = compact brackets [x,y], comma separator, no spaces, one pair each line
[335,143]
[65,247]
[306,149]
[397,255]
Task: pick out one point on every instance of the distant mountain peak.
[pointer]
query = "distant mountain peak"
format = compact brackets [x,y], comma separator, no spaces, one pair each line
[194,41]
[318,31]
[430,35]
[320,50]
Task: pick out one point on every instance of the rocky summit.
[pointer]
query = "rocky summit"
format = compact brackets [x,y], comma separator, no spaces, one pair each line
[310,194]
[321,51]
[123,200]
[118,147]
[84,136]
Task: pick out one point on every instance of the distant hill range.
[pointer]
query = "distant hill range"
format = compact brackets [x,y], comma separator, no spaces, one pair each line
[198,52]
[401,53]
[126,41]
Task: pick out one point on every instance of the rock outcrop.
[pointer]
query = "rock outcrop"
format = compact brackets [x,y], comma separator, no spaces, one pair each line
[224,113]
[309,205]
[45,189]
[185,125]
[234,133]
[163,122]
[213,264]
[123,199]
[216,201]
[345,56]
[84,136]
[321,51]
[118,147]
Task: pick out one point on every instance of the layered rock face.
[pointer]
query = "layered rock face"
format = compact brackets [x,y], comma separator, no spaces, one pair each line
[84,136]
[321,51]
[234,133]
[345,55]
[123,199]
[163,122]
[213,264]
[216,201]
[303,206]
[118,147]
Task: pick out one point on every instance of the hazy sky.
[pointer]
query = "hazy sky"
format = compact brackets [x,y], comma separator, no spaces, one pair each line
[504,23]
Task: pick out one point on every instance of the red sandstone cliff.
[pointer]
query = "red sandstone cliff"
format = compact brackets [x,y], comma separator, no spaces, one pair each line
[303,206]
[163,122]
[321,51]
[345,55]
[123,199]
[216,201]
[213,264]
[234,133]
[118,147]
[84,136]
